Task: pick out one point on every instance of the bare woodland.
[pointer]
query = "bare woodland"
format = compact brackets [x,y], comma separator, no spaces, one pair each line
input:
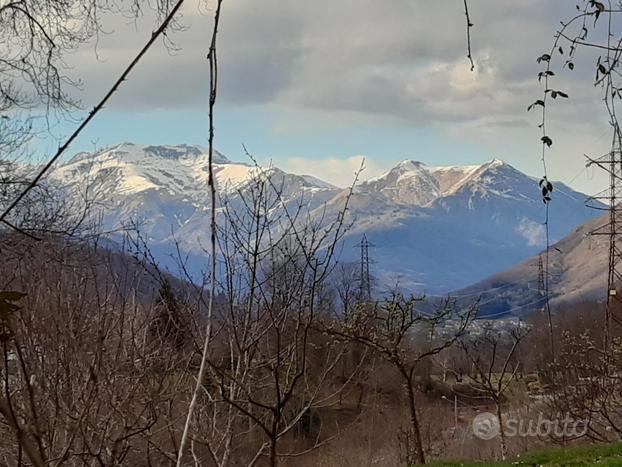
[275,357]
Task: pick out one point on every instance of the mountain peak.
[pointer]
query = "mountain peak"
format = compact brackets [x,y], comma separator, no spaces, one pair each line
[174,152]
[415,183]
[408,164]
[128,151]
[179,170]
[492,163]
[180,152]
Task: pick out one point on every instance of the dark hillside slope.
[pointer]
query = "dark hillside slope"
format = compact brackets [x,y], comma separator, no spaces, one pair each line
[577,273]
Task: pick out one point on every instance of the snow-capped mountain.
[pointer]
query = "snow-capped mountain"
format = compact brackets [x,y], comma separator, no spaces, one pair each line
[164,189]
[435,229]
[413,183]
[128,169]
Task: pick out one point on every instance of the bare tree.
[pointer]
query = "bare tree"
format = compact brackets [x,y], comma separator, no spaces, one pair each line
[406,338]
[585,381]
[85,381]
[36,35]
[492,353]
[347,286]
[270,360]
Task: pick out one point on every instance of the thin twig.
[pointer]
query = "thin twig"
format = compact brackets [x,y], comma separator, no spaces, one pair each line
[213,64]
[544,145]
[469,25]
[20,230]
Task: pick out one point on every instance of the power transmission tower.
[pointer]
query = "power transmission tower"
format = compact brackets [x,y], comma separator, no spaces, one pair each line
[365,278]
[612,163]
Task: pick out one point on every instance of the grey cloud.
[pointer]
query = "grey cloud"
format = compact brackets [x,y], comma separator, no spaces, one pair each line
[404,59]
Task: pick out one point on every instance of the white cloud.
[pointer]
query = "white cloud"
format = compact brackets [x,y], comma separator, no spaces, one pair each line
[533,232]
[340,172]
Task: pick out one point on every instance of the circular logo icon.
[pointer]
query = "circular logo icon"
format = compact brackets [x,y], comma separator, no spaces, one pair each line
[486,426]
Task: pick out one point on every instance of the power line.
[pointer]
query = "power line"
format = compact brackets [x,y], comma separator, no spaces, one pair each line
[505,312]
[471,294]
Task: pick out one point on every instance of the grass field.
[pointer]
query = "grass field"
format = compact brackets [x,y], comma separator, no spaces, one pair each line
[599,455]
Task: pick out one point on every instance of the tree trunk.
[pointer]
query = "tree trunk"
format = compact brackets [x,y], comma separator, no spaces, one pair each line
[273,457]
[420,455]
[504,448]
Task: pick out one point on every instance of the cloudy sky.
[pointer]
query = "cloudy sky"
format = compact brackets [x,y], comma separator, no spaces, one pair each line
[317,86]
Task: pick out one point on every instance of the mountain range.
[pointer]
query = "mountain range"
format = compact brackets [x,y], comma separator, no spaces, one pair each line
[433,229]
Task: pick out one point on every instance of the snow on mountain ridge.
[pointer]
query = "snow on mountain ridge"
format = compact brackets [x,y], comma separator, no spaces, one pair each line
[164,189]
[413,182]
[128,168]
[408,183]
[184,169]
[470,223]
[127,152]
[436,228]
[449,177]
